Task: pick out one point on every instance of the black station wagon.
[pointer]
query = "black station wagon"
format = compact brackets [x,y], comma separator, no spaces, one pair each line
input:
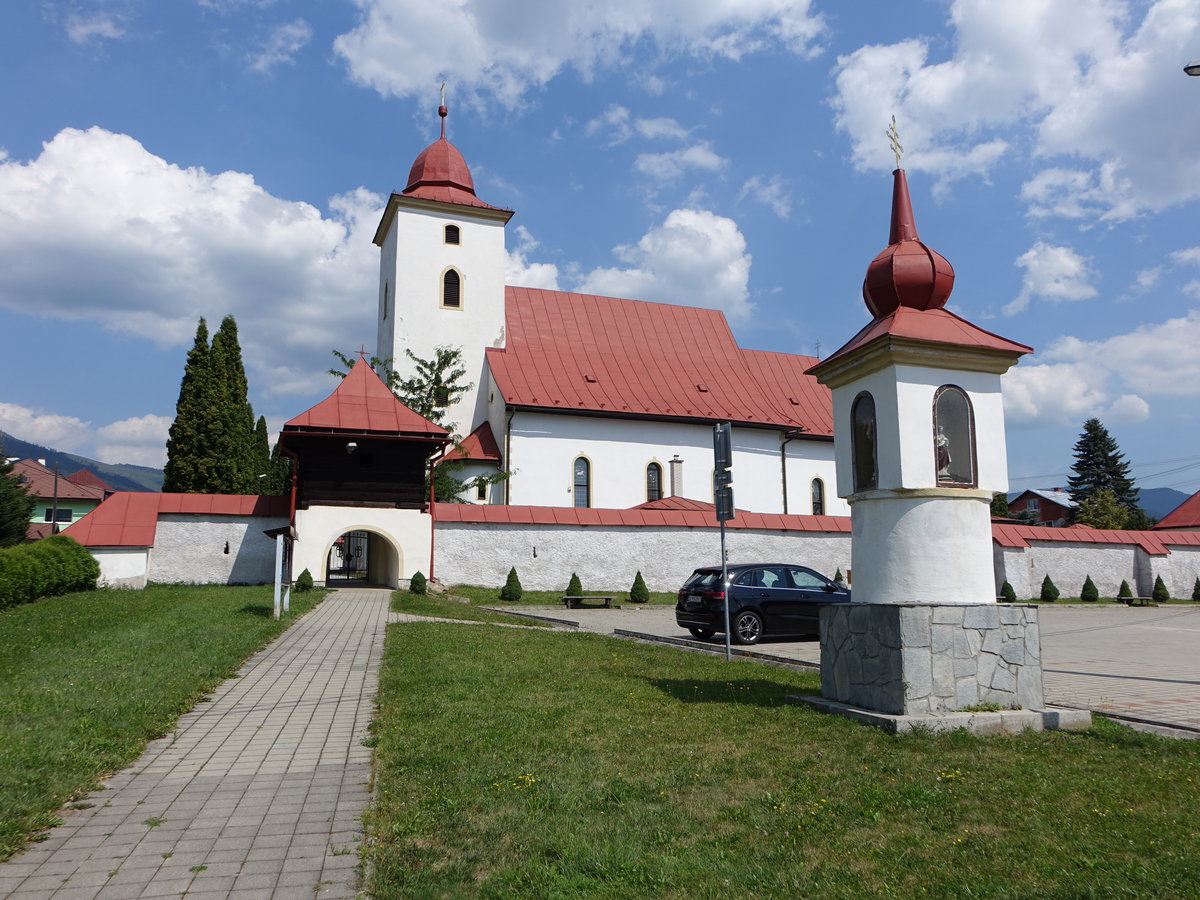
[765,600]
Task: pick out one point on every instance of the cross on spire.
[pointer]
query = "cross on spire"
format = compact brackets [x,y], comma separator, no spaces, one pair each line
[442,111]
[362,351]
[894,138]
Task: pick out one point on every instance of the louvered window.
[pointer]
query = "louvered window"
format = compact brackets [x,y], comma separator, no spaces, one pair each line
[452,234]
[452,289]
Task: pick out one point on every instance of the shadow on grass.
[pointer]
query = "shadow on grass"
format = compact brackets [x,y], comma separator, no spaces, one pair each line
[743,691]
[258,609]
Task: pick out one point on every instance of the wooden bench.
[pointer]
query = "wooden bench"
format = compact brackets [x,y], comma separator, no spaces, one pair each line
[588,602]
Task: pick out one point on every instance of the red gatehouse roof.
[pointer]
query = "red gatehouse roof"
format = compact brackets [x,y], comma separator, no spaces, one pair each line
[582,353]
[130,518]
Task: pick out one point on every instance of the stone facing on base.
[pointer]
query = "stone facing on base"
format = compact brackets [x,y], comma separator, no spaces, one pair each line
[929,659]
[1008,721]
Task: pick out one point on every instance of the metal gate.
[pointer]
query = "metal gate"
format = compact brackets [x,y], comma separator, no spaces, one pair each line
[348,557]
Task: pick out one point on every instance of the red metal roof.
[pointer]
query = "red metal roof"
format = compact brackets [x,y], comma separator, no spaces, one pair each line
[40,482]
[129,518]
[362,403]
[87,476]
[1185,515]
[581,352]
[638,515]
[479,445]
[1154,543]
[441,173]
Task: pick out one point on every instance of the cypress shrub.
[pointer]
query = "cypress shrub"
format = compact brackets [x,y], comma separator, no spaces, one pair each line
[1160,594]
[1196,591]
[52,566]
[1124,593]
[638,593]
[574,588]
[1007,592]
[837,576]
[1049,591]
[417,584]
[304,582]
[1089,594]
[512,587]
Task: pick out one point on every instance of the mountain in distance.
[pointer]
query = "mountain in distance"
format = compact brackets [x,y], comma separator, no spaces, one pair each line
[1157,502]
[120,476]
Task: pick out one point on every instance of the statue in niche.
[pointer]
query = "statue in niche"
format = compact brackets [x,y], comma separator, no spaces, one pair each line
[954,451]
[862,417]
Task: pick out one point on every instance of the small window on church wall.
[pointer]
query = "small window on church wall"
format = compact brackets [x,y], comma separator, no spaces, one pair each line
[818,497]
[386,287]
[481,490]
[862,442]
[583,482]
[654,482]
[452,235]
[953,437]
[441,397]
[452,290]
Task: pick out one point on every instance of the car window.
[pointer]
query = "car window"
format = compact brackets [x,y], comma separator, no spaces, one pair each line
[772,578]
[802,578]
[701,580]
[747,578]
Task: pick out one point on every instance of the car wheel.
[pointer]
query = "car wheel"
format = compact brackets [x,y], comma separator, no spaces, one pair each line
[702,634]
[747,628]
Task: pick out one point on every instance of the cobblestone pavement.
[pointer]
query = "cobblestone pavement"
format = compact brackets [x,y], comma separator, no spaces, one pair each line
[1135,663]
[256,794]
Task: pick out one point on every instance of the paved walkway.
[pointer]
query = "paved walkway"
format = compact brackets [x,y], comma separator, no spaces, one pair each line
[256,794]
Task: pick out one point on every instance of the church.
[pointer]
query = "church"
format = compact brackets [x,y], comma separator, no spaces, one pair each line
[587,401]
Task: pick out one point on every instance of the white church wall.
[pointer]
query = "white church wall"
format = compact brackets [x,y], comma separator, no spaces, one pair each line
[408,531]
[122,567]
[543,449]
[607,558]
[414,258]
[209,549]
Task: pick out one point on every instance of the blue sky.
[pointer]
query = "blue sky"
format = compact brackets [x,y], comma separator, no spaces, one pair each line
[163,161]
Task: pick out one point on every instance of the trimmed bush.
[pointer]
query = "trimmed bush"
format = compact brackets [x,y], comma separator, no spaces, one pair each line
[303,583]
[1049,591]
[46,568]
[1124,593]
[1196,591]
[638,593]
[512,587]
[417,584]
[837,577]
[1160,594]
[1089,594]
[1007,592]
[574,588]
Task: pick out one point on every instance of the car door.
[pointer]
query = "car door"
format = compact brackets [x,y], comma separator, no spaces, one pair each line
[809,590]
[771,597]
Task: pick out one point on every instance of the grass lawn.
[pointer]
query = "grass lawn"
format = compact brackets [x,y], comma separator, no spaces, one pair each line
[437,605]
[526,764]
[87,679]
[488,596]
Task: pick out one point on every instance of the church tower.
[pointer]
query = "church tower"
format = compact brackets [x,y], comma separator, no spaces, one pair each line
[441,273]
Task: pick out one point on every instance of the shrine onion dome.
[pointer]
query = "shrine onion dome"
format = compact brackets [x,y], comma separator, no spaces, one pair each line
[906,272]
[440,165]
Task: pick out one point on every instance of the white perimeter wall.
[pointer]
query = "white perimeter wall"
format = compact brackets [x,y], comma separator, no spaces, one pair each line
[191,549]
[543,449]
[122,567]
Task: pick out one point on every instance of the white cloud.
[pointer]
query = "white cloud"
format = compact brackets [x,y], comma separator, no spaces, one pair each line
[695,258]
[519,271]
[45,428]
[1053,273]
[620,126]
[141,440]
[97,228]
[1147,278]
[1188,256]
[93,29]
[1096,82]
[1073,379]
[281,46]
[505,50]
[771,192]
[675,164]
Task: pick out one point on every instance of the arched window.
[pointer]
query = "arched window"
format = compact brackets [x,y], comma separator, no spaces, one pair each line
[818,497]
[452,289]
[583,482]
[862,442]
[654,481]
[953,437]
[452,234]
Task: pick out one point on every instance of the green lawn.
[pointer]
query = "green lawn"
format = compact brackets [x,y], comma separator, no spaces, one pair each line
[525,764]
[441,607]
[488,596]
[87,679]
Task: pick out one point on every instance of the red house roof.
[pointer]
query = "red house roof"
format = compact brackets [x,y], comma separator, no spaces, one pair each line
[570,352]
[40,482]
[362,403]
[1185,515]
[130,519]
[479,445]
[87,476]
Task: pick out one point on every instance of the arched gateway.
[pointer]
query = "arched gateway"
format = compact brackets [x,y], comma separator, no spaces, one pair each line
[359,459]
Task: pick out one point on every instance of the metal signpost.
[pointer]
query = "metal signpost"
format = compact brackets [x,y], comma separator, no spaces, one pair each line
[723,498]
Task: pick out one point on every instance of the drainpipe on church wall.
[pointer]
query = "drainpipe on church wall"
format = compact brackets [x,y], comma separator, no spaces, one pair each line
[508,457]
[788,437]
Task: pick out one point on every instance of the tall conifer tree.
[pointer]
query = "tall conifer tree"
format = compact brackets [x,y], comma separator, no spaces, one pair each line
[233,426]
[187,468]
[16,505]
[1100,466]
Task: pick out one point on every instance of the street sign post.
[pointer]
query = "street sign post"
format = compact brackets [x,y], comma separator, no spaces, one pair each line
[723,499]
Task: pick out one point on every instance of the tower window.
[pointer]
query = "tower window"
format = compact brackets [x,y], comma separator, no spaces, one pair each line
[441,396]
[452,289]
[386,288]
[582,482]
[818,497]
[452,235]
[862,442]
[654,481]
[953,437]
